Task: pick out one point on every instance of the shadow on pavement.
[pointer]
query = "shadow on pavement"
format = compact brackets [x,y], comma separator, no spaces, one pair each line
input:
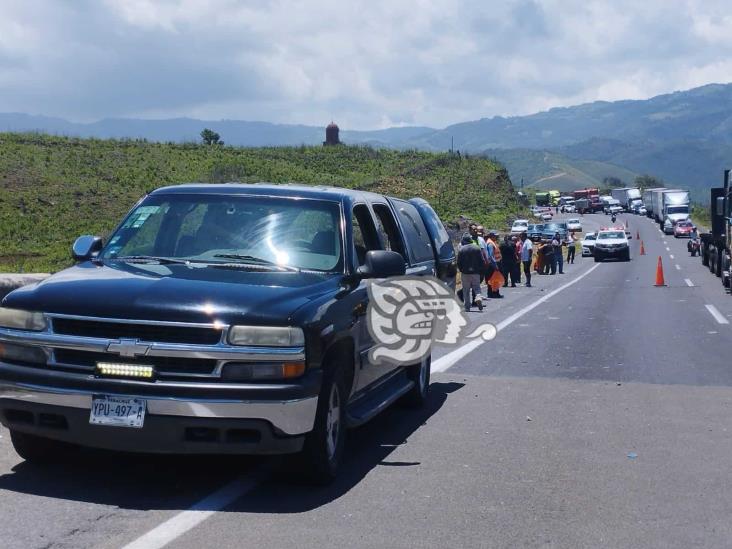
[147,482]
[368,447]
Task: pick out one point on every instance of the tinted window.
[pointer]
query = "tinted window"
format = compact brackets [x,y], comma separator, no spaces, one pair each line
[438,232]
[388,230]
[364,233]
[415,232]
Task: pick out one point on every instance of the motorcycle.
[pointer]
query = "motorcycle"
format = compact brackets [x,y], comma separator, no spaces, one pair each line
[613,218]
[694,246]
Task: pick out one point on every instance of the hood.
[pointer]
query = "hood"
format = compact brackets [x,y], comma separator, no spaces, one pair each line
[180,293]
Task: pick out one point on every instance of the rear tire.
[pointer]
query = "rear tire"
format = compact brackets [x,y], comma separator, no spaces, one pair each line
[35,449]
[324,445]
[420,374]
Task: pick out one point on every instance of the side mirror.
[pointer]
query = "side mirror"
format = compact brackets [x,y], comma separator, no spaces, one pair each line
[382,264]
[86,247]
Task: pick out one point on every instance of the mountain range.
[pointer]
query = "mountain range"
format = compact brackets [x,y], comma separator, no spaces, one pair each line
[684,137]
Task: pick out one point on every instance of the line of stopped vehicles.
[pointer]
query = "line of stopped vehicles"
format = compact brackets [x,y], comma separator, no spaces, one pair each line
[668,207]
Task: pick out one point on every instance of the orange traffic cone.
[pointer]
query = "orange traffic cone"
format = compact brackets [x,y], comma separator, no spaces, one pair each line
[643,250]
[659,273]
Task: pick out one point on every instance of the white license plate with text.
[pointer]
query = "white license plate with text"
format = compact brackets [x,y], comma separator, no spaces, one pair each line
[117,411]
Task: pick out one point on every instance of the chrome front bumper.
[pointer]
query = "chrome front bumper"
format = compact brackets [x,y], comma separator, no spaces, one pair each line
[291,417]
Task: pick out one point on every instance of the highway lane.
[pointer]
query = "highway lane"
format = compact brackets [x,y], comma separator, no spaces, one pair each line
[471,469]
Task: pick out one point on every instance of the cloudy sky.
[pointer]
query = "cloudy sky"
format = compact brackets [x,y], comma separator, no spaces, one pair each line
[367,64]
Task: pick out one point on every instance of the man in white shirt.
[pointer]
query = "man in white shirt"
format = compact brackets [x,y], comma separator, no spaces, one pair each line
[527,250]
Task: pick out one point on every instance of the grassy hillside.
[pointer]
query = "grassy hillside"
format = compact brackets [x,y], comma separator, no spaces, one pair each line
[546,170]
[56,188]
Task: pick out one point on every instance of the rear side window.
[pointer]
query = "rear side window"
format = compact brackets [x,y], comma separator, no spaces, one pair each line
[415,232]
[437,229]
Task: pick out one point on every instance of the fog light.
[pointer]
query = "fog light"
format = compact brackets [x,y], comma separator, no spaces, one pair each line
[251,371]
[124,370]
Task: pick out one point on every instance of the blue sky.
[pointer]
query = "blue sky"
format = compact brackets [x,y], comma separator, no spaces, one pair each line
[366,64]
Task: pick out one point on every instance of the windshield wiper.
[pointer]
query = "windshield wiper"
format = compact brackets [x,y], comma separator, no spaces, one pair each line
[150,258]
[251,259]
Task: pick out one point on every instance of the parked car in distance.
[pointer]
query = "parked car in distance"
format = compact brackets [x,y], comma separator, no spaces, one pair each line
[683,229]
[546,216]
[218,319]
[574,225]
[519,226]
[569,208]
[534,232]
[588,244]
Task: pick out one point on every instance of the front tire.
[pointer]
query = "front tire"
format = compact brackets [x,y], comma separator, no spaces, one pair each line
[40,450]
[420,374]
[324,445]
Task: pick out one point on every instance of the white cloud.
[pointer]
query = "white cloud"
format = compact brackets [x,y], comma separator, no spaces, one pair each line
[365,64]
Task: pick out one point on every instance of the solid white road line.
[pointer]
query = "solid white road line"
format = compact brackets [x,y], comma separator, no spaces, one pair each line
[184,521]
[716,314]
[448,361]
[677,267]
[689,283]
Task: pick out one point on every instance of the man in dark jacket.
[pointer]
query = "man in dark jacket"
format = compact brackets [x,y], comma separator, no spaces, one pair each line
[508,261]
[470,264]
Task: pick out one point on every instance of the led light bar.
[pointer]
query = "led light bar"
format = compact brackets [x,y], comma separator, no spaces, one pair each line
[124,370]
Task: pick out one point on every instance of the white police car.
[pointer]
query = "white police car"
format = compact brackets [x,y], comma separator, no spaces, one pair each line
[611,243]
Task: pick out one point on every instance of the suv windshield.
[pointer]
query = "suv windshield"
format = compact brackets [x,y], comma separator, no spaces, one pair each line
[244,229]
[614,234]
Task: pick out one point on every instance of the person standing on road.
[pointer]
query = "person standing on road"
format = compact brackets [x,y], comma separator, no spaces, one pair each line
[517,259]
[476,234]
[527,250]
[548,257]
[470,264]
[494,259]
[508,261]
[571,243]
[558,257]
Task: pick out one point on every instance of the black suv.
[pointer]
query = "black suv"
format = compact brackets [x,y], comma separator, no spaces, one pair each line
[217,319]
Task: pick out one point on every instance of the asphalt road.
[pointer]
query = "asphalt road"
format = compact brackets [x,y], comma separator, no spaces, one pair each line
[525,441]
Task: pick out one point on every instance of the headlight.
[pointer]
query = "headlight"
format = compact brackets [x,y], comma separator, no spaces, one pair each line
[267,336]
[22,320]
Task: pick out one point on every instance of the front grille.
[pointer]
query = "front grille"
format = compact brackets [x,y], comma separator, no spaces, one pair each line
[143,332]
[165,366]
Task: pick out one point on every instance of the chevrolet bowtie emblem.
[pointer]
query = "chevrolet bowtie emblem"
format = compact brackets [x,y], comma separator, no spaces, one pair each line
[128,348]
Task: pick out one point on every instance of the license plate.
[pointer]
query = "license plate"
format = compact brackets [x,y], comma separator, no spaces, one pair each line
[117,411]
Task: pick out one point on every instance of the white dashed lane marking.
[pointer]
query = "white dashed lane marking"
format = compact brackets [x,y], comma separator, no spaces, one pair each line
[716,314]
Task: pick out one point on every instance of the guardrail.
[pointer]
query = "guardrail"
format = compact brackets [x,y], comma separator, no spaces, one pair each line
[9,281]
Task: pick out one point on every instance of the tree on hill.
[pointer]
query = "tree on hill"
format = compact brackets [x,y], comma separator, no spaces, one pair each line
[613,182]
[646,181]
[210,137]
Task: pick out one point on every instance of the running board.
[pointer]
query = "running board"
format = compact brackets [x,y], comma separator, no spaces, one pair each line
[377,400]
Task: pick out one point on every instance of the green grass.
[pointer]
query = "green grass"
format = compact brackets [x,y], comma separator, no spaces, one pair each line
[701,216]
[56,188]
